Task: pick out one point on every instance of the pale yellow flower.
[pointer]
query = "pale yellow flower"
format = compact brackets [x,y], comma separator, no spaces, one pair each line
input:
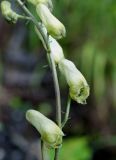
[78,87]
[56,50]
[8,13]
[54,27]
[48,3]
[51,134]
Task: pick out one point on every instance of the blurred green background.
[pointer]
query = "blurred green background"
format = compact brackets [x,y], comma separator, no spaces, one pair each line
[26,82]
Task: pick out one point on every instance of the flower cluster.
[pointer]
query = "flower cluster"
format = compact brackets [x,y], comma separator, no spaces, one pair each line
[53,29]
[78,87]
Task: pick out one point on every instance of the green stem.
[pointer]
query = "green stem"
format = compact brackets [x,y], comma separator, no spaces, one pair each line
[42,148]
[67,112]
[58,100]
[56,157]
[57,91]
[44,151]
[24,17]
[63,124]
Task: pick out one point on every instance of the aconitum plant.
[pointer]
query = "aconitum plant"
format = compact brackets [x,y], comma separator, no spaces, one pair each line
[49,29]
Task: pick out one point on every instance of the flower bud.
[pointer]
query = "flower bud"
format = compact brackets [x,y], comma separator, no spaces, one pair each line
[51,134]
[8,13]
[78,87]
[48,3]
[52,24]
[56,50]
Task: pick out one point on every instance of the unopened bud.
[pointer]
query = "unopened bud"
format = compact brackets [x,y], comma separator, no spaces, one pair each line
[48,3]
[8,13]
[54,27]
[78,87]
[56,50]
[51,134]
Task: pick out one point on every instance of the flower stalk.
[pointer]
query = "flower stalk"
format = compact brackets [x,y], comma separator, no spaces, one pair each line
[57,91]
[66,117]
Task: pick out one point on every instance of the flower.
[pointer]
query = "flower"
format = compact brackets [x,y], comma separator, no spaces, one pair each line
[51,134]
[56,50]
[8,13]
[48,3]
[54,27]
[78,87]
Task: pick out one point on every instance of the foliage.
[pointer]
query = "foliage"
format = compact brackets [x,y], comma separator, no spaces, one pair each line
[76,148]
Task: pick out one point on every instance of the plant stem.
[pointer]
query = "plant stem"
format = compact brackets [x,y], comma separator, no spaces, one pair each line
[42,148]
[24,17]
[63,124]
[67,112]
[58,100]
[56,154]
[57,91]
[44,151]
